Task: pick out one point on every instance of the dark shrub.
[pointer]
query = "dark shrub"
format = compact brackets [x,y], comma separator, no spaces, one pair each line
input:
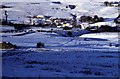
[15,46]
[69,33]
[100,19]
[40,45]
[110,44]
[89,18]
[95,18]
[83,18]
[67,28]
[105,28]
[117,45]
[8,45]
[78,26]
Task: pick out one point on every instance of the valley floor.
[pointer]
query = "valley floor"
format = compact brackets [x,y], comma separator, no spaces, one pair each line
[89,55]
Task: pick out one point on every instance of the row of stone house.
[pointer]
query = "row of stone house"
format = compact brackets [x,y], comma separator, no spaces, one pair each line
[86,21]
[42,20]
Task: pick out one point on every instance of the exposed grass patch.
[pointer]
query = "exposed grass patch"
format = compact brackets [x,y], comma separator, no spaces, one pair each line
[52,69]
[29,66]
[99,73]
[36,62]
[107,56]
[87,72]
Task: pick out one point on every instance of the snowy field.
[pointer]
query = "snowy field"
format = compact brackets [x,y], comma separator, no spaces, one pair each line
[20,10]
[86,56]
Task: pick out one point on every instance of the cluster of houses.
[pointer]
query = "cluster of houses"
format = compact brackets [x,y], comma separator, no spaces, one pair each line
[62,22]
[42,21]
[38,20]
[85,22]
[48,21]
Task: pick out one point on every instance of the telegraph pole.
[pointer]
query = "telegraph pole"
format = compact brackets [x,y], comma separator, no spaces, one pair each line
[6,17]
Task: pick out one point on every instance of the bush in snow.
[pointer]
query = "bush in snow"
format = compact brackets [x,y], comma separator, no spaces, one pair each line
[110,44]
[40,45]
[37,62]
[5,45]
[117,45]
[29,66]
[97,19]
[105,28]
[69,33]
[100,19]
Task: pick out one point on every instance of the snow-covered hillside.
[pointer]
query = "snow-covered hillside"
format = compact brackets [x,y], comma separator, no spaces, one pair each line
[22,9]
